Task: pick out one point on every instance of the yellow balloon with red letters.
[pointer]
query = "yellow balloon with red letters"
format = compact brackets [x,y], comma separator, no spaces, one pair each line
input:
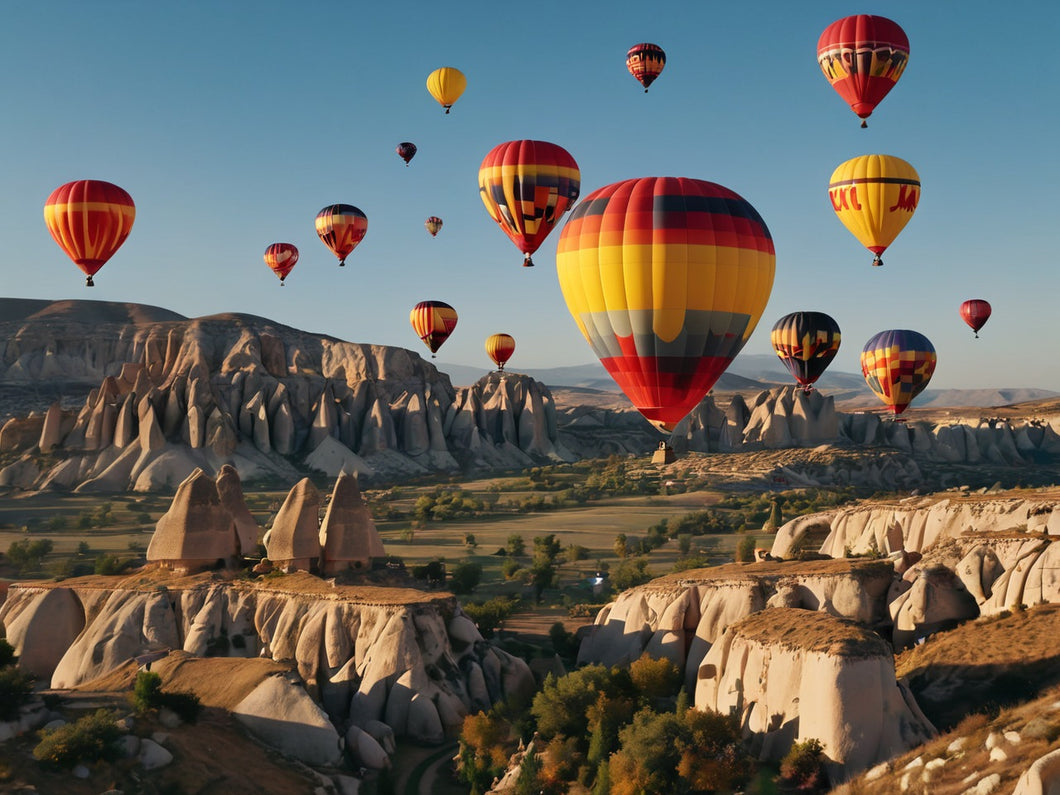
[875,196]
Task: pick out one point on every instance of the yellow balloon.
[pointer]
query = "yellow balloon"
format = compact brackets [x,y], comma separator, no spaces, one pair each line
[874,196]
[446,85]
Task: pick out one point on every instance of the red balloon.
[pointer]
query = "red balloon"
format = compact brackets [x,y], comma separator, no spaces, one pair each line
[975,313]
[89,219]
[281,259]
[406,150]
[862,57]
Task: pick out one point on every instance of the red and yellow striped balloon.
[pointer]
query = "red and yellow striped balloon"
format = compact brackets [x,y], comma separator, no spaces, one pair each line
[341,227]
[526,187]
[862,57]
[897,365]
[281,259]
[433,322]
[89,219]
[500,348]
[666,277]
[806,343]
[645,62]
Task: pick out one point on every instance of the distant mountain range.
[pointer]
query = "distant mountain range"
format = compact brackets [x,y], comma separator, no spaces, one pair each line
[753,373]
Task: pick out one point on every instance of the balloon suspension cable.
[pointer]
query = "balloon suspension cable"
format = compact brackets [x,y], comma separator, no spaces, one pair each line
[89,282]
[877,262]
[527,262]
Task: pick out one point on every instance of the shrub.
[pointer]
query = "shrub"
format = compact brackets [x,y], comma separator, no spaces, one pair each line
[108,565]
[87,739]
[465,577]
[15,690]
[745,550]
[148,695]
[7,653]
[803,766]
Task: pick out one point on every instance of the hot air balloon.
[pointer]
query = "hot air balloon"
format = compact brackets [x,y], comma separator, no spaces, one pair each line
[281,258]
[341,227]
[666,277]
[862,57]
[433,322]
[806,343]
[645,62]
[446,85]
[874,196]
[433,224]
[500,348]
[526,187]
[89,219]
[975,313]
[406,151]
[897,365]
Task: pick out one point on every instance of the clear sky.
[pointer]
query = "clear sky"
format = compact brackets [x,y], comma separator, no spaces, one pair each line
[232,124]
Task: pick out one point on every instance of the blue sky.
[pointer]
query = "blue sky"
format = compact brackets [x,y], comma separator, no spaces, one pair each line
[232,124]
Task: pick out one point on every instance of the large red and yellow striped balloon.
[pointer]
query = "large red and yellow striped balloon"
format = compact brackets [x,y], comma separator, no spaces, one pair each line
[341,227]
[433,322]
[874,196]
[500,348]
[645,62]
[666,277]
[862,57]
[89,219]
[281,259]
[897,365]
[806,343]
[526,187]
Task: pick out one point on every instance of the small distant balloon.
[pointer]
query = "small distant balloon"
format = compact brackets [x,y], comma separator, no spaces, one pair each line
[806,343]
[89,219]
[874,196]
[433,224]
[645,62]
[897,365]
[500,348]
[406,151]
[975,312]
[281,259]
[341,227]
[433,322]
[446,85]
[862,57]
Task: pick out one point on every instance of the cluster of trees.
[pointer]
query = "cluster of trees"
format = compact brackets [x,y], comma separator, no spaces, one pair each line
[614,730]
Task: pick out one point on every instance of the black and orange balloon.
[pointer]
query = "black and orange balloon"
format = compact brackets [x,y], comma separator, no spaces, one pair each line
[406,151]
[89,219]
[666,277]
[433,322]
[806,343]
[526,187]
[645,62]
[281,259]
[341,227]
[500,348]
[433,224]
[862,56]
[897,365]
[975,312]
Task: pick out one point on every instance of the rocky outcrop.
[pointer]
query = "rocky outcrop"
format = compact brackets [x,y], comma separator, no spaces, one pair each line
[680,617]
[791,675]
[365,654]
[293,541]
[348,538]
[197,532]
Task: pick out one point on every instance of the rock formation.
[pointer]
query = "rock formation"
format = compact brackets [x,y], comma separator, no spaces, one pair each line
[348,538]
[197,532]
[293,541]
[791,675]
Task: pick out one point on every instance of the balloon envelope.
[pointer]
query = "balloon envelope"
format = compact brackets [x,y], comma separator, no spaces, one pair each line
[975,312]
[666,277]
[281,258]
[446,85]
[897,365]
[526,187]
[645,62]
[89,219]
[433,322]
[500,348]
[341,227]
[874,196]
[862,57]
[406,151]
[806,343]
[433,224]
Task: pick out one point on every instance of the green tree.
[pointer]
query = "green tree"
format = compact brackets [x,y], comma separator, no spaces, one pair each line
[465,576]
[629,573]
[516,546]
[745,550]
[485,740]
[621,546]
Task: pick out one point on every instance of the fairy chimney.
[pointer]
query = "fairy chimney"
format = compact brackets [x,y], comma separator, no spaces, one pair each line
[293,541]
[348,538]
[196,533]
